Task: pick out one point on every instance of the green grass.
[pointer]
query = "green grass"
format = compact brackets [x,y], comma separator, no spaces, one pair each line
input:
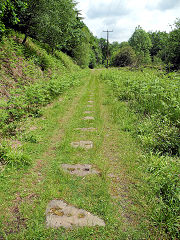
[47,182]
[138,202]
[137,107]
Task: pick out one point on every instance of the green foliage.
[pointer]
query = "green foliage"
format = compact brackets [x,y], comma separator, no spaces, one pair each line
[124,57]
[103,47]
[114,48]
[140,40]
[157,134]
[162,174]
[27,97]
[14,158]
[95,53]
[155,100]
[159,43]
[81,52]
[173,49]
[141,43]
[9,13]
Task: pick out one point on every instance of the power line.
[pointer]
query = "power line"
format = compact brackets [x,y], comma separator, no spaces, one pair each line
[107,46]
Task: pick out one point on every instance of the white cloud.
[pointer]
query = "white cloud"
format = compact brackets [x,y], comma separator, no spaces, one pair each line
[122,16]
[107,9]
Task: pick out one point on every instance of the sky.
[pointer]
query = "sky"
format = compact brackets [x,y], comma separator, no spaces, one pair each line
[123,16]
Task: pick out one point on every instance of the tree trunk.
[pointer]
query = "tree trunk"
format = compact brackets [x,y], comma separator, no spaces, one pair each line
[25,38]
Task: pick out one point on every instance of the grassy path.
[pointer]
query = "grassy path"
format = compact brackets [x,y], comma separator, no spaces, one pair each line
[110,195]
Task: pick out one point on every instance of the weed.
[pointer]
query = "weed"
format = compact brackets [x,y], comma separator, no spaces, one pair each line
[13,157]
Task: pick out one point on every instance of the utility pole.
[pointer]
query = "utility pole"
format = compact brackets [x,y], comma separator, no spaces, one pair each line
[107,46]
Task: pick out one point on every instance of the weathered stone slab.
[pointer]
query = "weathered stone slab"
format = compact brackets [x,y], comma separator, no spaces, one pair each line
[87,129]
[88,112]
[82,144]
[88,118]
[79,169]
[60,214]
[90,101]
[89,106]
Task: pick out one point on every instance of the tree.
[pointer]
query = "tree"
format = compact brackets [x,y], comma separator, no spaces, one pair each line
[103,47]
[48,21]
[81,52]
[9,13]
[96,53]
[159,43]
[173,47]
[141,43]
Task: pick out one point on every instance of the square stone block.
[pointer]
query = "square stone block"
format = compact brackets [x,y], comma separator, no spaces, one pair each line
[79,169]
[82,144]
[88,118]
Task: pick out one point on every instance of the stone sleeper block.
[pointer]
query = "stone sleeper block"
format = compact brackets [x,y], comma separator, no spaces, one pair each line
[60,214]
[88,118]
[89,105]
[87,129]
[83,144]
[88,112]
[79,169]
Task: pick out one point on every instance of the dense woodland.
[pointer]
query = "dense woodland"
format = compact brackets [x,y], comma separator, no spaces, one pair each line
[59,25]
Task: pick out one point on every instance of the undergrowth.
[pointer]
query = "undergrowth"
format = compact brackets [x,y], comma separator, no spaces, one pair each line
[153,109]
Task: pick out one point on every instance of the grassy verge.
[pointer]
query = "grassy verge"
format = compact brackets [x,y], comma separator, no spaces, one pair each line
[146,105]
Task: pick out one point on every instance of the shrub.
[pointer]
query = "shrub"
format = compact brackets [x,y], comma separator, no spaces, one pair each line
[125,57]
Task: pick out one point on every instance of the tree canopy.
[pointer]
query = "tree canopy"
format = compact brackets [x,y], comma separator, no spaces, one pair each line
[59,24]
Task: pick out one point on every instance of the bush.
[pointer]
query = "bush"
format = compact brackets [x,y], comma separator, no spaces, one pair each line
[125,57]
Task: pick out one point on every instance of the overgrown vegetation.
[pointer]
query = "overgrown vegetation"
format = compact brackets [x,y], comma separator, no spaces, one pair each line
[30,78]
[154,98]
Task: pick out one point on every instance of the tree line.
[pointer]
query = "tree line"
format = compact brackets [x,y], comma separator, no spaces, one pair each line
[149,48]
[59,25]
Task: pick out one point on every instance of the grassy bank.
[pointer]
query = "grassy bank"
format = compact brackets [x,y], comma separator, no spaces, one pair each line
[30,77]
